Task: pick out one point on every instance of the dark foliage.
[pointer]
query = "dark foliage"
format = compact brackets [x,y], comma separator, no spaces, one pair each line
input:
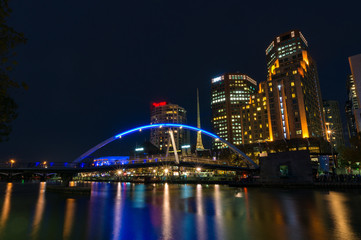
[9,39]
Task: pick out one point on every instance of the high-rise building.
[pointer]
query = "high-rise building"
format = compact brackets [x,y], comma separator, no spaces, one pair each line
[355,65]
[350,106]
[254,118]
[334,132]
[293,89]
[163,112]
[229,92]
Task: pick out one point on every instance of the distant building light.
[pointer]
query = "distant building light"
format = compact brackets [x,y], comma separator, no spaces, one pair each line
[217,79]
[186,146]
[139,149]
[159,104]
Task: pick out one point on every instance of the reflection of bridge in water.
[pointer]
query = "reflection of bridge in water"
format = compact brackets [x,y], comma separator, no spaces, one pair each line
[79,166]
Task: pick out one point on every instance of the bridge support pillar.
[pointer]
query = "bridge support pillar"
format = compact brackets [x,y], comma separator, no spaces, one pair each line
[174,146]
[43,177]
[66,178]
[10,177]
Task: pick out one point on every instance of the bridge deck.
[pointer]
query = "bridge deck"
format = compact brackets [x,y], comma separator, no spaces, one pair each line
[131,164]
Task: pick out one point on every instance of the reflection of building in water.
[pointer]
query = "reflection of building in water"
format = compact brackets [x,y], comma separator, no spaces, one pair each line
[6,206]
[220,231]
[69,217]
[201,225]
[340,216]
[167,217]
[117,221]
[39,210]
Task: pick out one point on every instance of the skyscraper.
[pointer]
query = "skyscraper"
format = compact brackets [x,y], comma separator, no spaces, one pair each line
[350,106]
[334,132]
[293,89]
[229,92]
[355,65]
[163,112]
[254,118]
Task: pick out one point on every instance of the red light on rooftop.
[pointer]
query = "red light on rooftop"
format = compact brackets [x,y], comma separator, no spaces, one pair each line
[159,104]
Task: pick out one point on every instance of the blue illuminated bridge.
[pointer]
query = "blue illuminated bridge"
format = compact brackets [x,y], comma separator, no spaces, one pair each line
[79,164]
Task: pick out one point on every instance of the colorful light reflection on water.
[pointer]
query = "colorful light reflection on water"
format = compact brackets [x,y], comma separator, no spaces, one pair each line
[168,211]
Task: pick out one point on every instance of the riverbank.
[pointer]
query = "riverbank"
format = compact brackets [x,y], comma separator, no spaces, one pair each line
[326,185]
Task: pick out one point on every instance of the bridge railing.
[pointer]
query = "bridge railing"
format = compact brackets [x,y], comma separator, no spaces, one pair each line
[67,165]
[39,165]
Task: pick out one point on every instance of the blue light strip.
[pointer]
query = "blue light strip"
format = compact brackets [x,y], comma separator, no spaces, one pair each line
[166,125]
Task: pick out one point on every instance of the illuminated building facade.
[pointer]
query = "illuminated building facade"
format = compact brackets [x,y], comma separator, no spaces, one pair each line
[254,118]
[293,89]
[355,65]
[164,112]
[350,106]
[229,92]
[334,132]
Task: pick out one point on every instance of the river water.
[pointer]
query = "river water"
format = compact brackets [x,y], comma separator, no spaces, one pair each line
[167,211]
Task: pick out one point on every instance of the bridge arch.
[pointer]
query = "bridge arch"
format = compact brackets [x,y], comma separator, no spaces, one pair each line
[160,125]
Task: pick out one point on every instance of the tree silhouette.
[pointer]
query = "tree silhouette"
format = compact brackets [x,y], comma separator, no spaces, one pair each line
[350,156]
[9,39]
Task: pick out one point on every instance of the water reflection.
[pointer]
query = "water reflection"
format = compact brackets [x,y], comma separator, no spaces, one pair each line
[117,221]
[39,210]
[201,228]
[166,218]
[139,196]
[219,221]
[341,216]
[97,211]
[170,211]
[69,217]
[6,206]
[186,191]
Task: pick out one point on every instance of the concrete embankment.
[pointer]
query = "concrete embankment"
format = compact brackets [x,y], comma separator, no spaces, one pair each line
[336,185]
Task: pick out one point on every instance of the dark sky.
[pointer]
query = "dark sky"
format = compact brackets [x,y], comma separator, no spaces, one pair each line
[93,67]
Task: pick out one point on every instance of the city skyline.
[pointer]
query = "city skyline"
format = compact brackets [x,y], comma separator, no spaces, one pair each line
[56,115]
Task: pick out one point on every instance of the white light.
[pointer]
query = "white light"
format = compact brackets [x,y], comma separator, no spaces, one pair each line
[198,169]
[166,170]
[139,149]
[217,79]
[186,146]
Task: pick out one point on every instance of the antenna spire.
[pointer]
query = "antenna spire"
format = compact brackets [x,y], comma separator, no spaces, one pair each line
[199,145]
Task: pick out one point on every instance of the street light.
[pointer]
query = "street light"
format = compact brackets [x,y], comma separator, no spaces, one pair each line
[12,161]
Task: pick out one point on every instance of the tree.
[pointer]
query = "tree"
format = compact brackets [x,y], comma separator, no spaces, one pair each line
[9,39]
[349,156]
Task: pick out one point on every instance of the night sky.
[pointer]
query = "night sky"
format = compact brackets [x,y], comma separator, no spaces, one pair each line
[94,67]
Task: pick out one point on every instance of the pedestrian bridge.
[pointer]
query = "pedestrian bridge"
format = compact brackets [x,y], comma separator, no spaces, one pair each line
[79,165]
[170,127]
